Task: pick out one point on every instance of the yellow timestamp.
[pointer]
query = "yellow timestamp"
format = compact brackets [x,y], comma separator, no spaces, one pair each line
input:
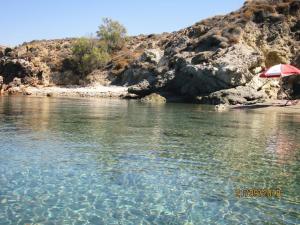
[258,192]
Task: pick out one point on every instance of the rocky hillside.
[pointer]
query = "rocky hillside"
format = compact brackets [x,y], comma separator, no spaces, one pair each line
[214,61]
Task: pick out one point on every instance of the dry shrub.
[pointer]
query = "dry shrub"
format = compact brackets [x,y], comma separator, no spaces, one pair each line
[211,41]
[217,32]
[232,33]
[254,7]
[124,58]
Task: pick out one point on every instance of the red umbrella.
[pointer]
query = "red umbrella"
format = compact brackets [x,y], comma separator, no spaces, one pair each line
[280,70]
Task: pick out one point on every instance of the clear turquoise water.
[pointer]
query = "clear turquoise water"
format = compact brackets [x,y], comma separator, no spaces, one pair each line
[92,161]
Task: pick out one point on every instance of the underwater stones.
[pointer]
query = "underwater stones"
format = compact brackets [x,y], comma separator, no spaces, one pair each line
[95,219]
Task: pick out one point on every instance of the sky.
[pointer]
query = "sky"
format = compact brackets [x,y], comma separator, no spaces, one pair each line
[50,19]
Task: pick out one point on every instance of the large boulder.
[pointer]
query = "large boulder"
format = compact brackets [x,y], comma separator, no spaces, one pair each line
[233,96]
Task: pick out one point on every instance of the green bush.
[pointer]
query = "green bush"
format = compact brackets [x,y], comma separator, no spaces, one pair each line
[112,33]
[87,55]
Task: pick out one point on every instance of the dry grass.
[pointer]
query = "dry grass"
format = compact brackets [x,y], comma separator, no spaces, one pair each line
[124,58]
[268,7]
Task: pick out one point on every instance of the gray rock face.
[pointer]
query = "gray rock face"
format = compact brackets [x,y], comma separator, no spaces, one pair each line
[161,82]
[136,75]
[165,80]
[230,69]
[202,57]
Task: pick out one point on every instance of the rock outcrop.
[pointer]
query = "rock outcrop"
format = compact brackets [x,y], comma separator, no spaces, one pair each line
[215,61]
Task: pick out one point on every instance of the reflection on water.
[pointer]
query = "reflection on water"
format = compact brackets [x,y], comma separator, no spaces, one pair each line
[69,161]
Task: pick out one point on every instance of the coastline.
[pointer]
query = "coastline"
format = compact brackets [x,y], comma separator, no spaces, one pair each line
[121,92]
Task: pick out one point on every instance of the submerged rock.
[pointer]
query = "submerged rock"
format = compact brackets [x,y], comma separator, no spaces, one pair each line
[221,108]
[154,98]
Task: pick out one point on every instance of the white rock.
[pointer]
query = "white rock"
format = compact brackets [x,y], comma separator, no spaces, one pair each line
[152,55]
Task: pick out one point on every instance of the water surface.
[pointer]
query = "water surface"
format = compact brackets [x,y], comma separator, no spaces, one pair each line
[97,161]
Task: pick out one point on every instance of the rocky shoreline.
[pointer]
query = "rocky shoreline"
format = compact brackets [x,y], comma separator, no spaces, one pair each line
[16,88]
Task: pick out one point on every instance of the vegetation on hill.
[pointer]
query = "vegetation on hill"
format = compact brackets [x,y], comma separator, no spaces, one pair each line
[89,54]
[112,33]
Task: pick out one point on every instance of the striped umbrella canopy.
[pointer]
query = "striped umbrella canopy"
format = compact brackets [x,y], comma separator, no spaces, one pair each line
[280,70]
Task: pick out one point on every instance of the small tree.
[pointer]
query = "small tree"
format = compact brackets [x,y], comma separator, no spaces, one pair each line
[113,33]
[88,55]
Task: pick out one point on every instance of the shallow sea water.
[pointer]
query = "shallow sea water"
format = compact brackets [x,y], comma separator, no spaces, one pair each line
[101,161]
